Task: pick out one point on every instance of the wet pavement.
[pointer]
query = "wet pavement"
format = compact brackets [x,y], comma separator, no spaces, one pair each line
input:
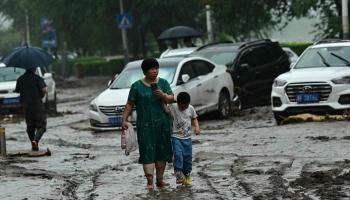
[244,157]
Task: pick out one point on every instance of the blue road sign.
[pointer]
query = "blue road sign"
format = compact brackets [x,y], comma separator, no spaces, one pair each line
[124,21]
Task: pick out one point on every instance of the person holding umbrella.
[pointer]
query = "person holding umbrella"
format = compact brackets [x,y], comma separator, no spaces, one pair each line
[31,88]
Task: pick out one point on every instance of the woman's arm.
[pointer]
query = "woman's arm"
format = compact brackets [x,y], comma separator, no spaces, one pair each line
[164,96]
[128,108]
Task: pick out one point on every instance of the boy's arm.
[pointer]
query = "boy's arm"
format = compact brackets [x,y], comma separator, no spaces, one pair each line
[195,123]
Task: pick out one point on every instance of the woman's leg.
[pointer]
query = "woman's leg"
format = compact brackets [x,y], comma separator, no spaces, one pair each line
[149,171]
[160,168]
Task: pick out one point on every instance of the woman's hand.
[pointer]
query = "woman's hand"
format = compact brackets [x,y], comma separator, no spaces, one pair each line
[125,125]
[159,93]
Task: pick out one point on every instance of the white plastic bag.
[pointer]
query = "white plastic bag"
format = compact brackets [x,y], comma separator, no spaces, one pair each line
[130,139]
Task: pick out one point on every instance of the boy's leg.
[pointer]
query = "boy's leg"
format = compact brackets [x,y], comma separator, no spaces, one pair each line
[187,160]
[178,160]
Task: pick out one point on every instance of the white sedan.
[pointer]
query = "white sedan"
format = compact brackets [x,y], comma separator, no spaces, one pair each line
[318,83]
[9,100]
[210,87]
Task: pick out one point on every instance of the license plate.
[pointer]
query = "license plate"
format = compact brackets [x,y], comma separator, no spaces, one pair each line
[115,120]
[308,98]
[11,101]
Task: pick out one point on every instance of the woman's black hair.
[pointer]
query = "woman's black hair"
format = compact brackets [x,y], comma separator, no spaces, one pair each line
[183,97]
[149,63]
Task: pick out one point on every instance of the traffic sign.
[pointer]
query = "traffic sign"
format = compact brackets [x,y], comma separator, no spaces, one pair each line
[124,21]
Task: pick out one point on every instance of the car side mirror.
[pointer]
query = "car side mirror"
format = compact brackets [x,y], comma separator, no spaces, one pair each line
[185,78]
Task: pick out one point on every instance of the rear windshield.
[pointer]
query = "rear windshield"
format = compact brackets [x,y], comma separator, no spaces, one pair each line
[10,73]
[129,76]
[218,57]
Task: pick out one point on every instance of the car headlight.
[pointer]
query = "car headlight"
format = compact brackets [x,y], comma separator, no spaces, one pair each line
[93,107]
[279,83]
[342,80]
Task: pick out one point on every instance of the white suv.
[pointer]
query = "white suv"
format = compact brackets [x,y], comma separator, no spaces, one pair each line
[319,82]
[9,100]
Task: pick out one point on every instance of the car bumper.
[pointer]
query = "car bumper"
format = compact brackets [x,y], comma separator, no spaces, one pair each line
[100,121]
[337,101]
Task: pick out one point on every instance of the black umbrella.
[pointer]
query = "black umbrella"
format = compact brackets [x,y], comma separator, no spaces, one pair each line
[28,57]
[179,32]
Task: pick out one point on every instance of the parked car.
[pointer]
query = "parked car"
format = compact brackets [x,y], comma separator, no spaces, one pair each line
[9,100]
[181,52]
[318,83]
[209,84]
[253,65]
[293,57]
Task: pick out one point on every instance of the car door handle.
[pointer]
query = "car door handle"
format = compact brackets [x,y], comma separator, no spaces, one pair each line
[199,85]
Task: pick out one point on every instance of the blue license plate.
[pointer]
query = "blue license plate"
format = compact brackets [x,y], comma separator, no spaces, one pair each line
[11,101]
[115,120]
[308,98]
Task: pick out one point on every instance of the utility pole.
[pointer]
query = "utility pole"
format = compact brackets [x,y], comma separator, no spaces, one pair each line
[345,19]
[124,36]
[27,27]
[209,24]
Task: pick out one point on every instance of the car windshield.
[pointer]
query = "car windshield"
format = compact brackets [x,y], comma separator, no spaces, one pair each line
[325,57]
[220,58]
[129,76]
[10,73]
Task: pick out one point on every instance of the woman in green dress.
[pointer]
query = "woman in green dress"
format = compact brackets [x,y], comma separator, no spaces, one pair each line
[153,122]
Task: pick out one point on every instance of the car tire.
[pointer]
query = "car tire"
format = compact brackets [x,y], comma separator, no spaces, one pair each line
[279,117]
[224,105]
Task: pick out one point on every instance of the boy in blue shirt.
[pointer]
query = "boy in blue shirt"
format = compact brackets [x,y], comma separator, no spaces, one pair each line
[184,116]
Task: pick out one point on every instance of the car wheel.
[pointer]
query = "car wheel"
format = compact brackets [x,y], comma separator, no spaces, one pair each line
[224,105]
[279,117]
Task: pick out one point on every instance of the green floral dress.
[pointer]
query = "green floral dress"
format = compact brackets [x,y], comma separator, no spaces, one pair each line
[153,124]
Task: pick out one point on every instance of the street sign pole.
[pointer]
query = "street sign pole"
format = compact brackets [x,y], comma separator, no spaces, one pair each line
[124,36]
[345,20]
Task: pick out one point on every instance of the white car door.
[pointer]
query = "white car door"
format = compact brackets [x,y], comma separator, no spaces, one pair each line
[191,86]
[206,88]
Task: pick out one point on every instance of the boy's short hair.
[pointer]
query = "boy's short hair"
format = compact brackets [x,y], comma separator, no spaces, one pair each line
[183,97]
[149,63]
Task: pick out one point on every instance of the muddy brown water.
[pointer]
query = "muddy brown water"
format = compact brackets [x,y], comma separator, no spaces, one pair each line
[244,157]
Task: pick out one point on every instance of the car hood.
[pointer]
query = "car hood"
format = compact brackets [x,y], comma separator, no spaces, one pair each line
[315,74]
[112,97]
[11,85]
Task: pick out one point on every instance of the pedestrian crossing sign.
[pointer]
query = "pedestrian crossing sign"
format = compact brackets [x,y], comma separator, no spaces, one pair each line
[124,20]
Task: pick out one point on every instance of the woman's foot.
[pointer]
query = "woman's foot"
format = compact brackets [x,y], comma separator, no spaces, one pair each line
[160,183]
[149,185]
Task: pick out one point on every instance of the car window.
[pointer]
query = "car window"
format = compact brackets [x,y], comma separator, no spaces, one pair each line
[129,76]
[219,57]
[202,68]
[247,58]
[10,73]
[277,52]
[321,57]
[187,68]
[261,56]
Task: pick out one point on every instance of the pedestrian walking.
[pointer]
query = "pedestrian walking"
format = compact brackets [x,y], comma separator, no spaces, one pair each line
[153,123]
[184,116]
[32,89]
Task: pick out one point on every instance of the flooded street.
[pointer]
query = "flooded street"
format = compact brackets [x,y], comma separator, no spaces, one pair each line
[244,157]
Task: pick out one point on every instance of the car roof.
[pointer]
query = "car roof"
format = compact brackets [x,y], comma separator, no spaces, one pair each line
[171,61]
[230,46]
[332,44]
[178,52]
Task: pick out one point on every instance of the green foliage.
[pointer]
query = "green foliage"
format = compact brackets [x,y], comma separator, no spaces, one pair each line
[90,66]
[8,40]
[297,47]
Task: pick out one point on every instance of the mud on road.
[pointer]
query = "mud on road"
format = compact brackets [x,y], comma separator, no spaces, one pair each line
[244,157]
